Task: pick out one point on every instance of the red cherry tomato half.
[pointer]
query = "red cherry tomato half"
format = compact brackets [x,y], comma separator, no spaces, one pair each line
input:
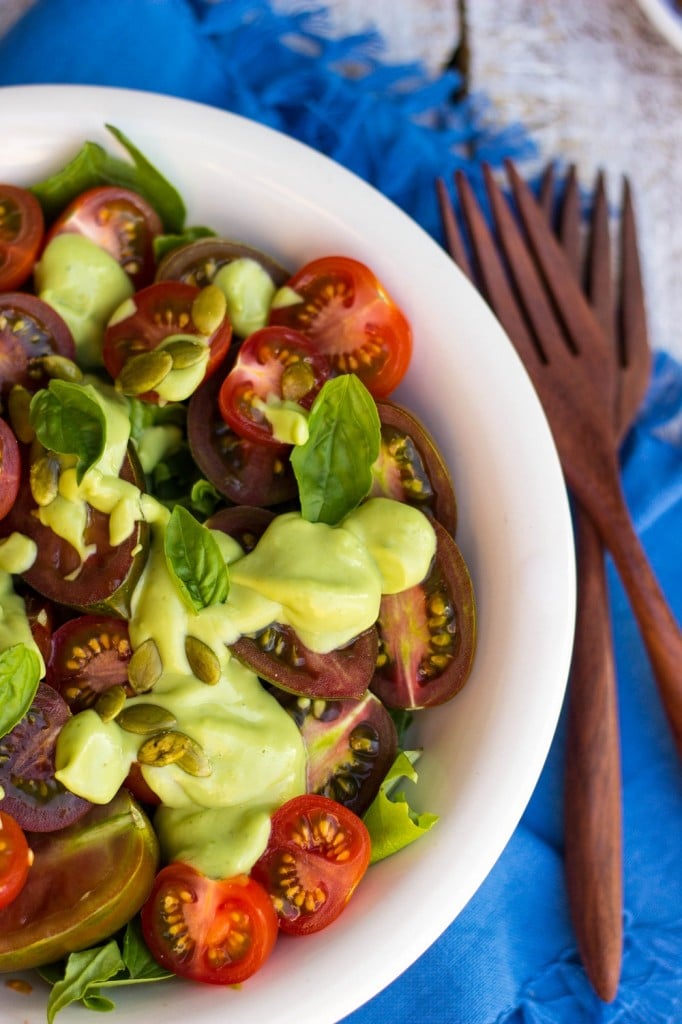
[10,468]
[29,329]
[348,315]
[15,859]
[21,233]
[219,932]
[118,220]
[317,853]
[275,362]
[160,311]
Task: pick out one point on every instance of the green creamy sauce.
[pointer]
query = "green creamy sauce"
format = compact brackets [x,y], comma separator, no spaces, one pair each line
[84,284]
[326,582]
[248,290]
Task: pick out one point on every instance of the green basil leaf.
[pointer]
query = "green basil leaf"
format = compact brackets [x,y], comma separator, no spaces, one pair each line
[67,420]
[391,822]
[205,498]
[93,166]
[334,466]
[194,559]
[84,972]
[140,964]
[163,244]
[19,678]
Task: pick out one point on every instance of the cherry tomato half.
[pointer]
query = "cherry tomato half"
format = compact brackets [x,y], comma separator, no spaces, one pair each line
[160,311]
[89,655]
[317,853]
[275,362]
[219,932]
[348,315]
[15,859]
[118,220]
[10,468]
[29,330]
[21,233]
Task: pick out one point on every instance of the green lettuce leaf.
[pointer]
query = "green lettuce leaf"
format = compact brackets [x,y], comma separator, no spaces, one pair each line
[391,822]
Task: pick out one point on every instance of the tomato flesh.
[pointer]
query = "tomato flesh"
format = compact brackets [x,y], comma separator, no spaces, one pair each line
[89,654]
[29,330]
[118,220]
[15,859]
[273,363]
[346,312]
[317,853]
[21,233]
[216,931]
[10,468]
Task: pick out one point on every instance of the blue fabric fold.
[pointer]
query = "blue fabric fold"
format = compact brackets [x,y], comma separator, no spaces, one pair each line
[510,957]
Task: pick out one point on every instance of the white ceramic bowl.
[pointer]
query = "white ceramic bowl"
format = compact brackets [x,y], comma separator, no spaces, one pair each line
[667,18]
[484,751]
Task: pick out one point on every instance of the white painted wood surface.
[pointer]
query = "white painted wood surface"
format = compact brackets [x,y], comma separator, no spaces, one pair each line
[593,80]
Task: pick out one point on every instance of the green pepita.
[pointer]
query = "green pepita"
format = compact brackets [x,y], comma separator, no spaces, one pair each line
[110,703]
[163,748]
[209,309]
[194,762]
[185,352]
[44,478]
[144,372]
[18,405]
[145,719]
[202,660]
[145,667]
[60,368]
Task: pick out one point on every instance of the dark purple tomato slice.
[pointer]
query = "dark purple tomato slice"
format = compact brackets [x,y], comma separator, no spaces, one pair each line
[411,469]
[244,523]
[86,882]
[350,746]
[31,794]
[198,262]
[10,468]
[106,579]
[244,472]
[89,655]
[29,329]
[427,634]
[277,655]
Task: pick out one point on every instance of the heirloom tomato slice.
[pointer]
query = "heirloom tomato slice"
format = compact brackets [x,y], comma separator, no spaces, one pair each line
[21,233]
[317,853]
[118,220]
[273,363]
[89,655]
[15,859]
[10,468]
[29,330]
[216,931]
[199,261]
[159,312]
[348,315]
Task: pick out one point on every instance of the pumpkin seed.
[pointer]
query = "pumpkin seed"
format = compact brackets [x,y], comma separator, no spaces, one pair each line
[185,353]
[145,719]
[144,372]
[202,660]
[144,667]
[110,703]
[194,762]
[60,368]
[18,406]
[163,748]
[44,478]
[209,309]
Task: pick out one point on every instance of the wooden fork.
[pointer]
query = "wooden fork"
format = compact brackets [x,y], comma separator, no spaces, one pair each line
[529,283]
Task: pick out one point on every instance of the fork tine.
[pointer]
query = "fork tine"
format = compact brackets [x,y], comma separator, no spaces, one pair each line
[584,332]
[529,286]
[570,220]
[600,287]
[546,194]
[492,273]
[635,351]
[454,241]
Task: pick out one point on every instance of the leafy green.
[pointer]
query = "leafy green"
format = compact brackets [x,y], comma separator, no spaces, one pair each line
[391,822]
[83,974]
[333,467]
[19,678]
[194,560]
[163,244]
[67,420]
[93,166]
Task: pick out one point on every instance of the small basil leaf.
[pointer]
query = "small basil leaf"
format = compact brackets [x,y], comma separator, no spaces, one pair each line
[68,421]
[194,559]
[140,964]
[333,467]
[150,183]
[19,678]
[391,822]
[85,972]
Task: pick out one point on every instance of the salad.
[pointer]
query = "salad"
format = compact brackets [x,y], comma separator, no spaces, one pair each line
[228,580]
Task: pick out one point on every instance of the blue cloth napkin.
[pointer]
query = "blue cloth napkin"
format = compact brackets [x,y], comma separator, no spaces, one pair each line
[510,957]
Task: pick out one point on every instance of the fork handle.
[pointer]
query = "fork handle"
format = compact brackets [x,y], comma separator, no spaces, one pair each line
[660,632]
[592,781]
